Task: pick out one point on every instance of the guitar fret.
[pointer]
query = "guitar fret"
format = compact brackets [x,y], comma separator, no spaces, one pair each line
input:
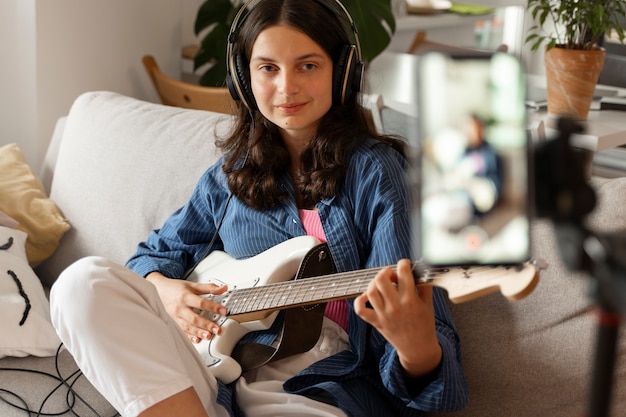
[264,301]
[270,300]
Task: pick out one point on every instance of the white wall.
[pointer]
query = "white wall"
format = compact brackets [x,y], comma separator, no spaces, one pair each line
[190,9]
[17,90]
[54,50]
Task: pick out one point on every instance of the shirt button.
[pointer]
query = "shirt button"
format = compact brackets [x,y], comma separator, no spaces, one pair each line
[294,221]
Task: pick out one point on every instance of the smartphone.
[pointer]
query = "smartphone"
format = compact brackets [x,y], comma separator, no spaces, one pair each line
[472,182]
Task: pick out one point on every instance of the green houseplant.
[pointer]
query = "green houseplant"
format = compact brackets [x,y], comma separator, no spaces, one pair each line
[570,31]
[373,18]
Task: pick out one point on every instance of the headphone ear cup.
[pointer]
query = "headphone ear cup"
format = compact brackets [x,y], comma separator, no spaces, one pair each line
[347,75]
[238,82]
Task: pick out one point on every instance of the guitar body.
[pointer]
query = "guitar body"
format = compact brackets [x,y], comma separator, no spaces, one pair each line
[278,264]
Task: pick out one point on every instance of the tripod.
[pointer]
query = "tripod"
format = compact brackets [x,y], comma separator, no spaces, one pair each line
[601,257]
[562,194]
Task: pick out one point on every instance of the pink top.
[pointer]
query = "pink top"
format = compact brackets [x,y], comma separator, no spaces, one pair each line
[336,310]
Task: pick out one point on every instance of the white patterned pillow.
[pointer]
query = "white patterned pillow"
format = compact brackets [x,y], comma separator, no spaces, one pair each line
[25,328]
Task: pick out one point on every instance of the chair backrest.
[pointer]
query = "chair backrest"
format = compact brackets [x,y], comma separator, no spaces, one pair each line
[173,92]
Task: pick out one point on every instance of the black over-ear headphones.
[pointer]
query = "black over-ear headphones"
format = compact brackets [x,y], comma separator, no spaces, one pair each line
[347,71]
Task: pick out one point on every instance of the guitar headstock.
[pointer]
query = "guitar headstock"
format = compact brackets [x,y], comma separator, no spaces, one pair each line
[465,283]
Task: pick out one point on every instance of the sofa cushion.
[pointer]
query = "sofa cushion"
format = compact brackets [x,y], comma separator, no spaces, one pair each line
[22,198]
[123,166]
[609,214]
[25,328]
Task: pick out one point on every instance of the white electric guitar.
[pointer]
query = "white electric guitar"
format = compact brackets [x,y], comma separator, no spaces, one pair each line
[261,286]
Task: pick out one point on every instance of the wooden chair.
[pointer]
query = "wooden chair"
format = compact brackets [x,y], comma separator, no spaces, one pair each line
[422,45]
[173,92]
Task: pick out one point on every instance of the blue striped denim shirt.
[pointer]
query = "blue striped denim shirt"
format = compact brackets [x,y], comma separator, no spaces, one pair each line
[367,224]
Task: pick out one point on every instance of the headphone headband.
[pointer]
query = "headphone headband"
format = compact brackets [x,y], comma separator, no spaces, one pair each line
[347,72]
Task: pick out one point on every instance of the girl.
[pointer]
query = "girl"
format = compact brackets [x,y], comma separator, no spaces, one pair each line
[301,159]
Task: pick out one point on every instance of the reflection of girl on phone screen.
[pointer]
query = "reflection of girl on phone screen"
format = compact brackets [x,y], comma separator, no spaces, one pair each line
[470,176]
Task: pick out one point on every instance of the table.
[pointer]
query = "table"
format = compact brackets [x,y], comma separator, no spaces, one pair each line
[603,129]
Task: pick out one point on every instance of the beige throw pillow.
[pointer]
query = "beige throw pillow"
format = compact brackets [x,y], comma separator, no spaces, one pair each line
[22,197]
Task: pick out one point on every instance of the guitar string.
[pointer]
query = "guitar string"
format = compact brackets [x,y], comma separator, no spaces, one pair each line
[249,296]
[274,294]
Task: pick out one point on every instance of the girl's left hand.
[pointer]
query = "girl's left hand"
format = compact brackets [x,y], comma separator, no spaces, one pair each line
[404,315]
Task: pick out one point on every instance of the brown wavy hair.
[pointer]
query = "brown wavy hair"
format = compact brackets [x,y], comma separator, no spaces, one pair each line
[257,141]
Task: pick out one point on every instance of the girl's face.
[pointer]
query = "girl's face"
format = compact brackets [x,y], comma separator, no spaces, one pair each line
[291,79]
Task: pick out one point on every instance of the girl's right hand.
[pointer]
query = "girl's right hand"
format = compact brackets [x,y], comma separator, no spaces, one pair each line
[183,301]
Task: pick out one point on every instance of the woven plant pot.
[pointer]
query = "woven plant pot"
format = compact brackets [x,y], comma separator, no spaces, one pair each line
[571,77]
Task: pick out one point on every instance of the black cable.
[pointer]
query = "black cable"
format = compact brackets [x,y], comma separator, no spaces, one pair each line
[24,407]
[68,382]
[71,393]
[4,400]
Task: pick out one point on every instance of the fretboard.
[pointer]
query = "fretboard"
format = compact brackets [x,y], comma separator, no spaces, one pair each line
[299,292]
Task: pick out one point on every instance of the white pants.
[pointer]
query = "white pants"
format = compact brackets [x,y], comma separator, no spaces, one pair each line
[113,323]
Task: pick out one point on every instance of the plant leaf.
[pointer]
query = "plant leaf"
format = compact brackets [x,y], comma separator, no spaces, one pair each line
[211,12]
[375,24]
[578,24]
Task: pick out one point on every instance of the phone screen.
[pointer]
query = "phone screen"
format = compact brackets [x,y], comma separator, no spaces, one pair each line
[472,180]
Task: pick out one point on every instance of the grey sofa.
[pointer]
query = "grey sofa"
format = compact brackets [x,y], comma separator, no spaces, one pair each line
[118,166]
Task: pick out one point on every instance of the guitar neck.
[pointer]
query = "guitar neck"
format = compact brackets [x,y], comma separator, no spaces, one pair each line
[462,283]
